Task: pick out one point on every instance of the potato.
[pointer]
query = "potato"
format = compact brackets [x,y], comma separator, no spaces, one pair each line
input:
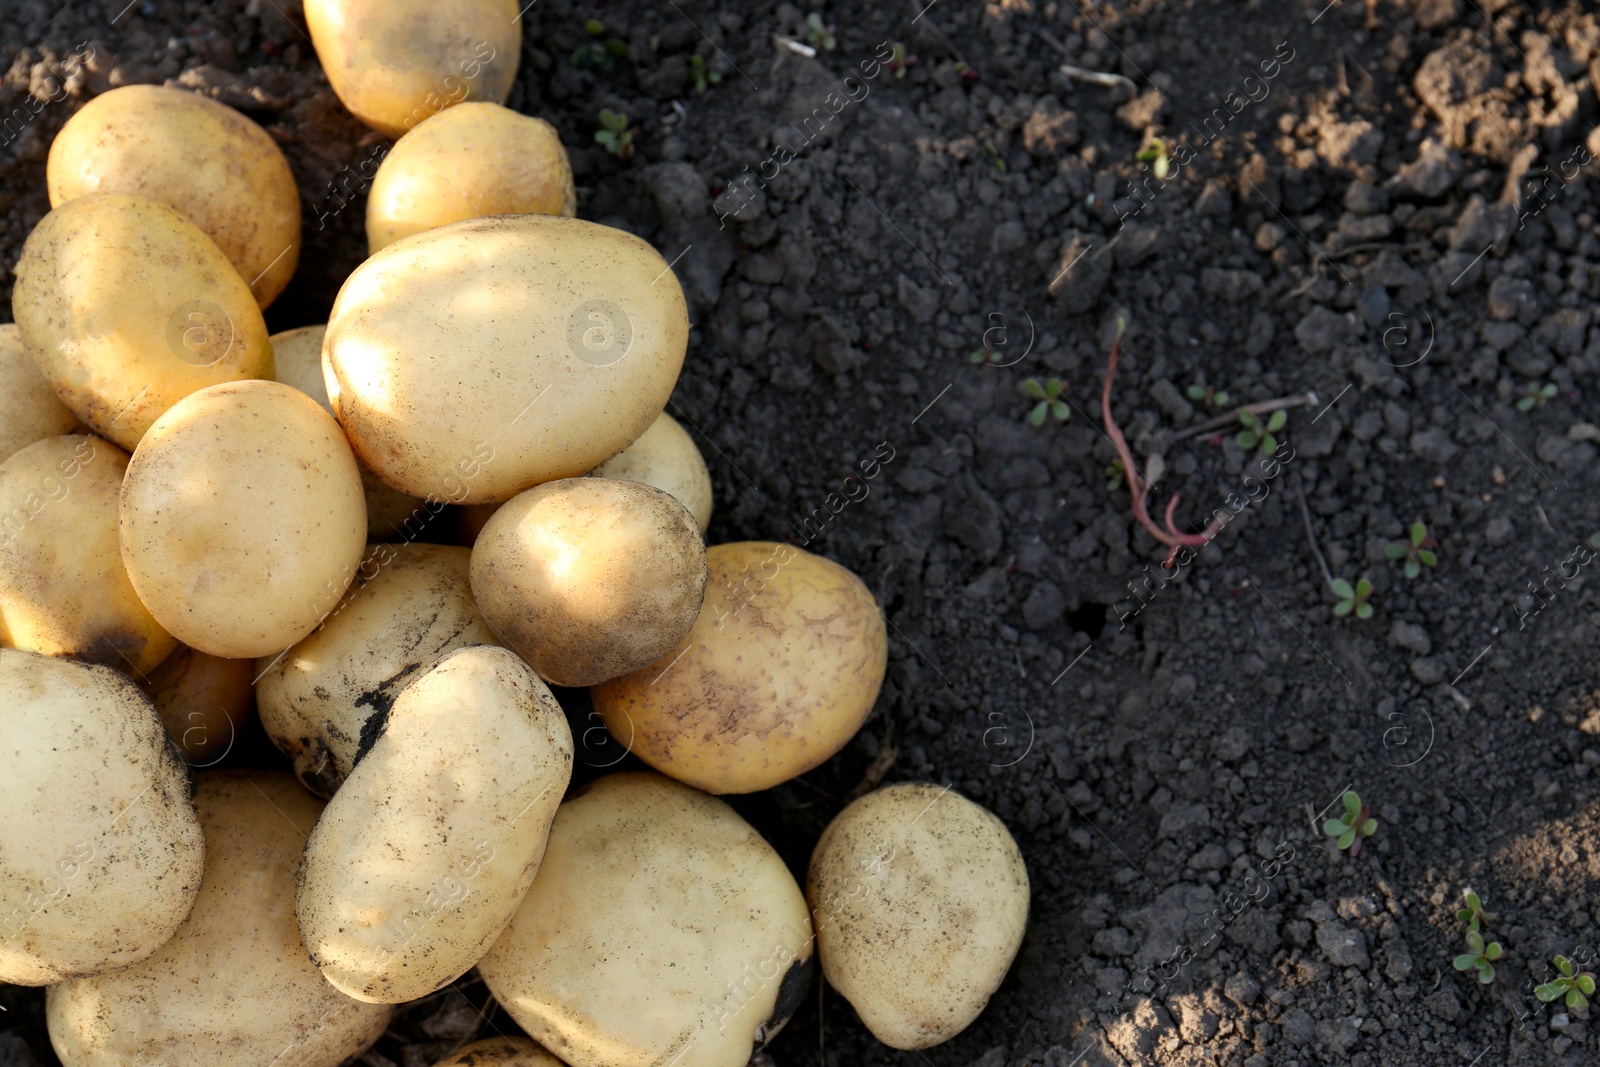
[780,671]
[233,986]
[242,518]
[660,924]
[665,456]
[476,360]
[589,578]
[203,700]
[424,853]
[100,848]
[29,410]
[920,899]
[195,155]
[473,160]
[128,307]
[501,1052]
[410,605]
[63,589]
[395,62]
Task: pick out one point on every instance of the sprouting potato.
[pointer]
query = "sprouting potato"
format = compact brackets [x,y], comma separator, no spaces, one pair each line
[920,900]
[665,456]
[191,153]
[469,161]
[100,849]
[424,853]
[203,700]
[501,1052]
[29,409]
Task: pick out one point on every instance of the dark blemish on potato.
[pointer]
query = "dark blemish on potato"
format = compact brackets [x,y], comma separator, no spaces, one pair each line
[313,765]
[791,991]
[371,730]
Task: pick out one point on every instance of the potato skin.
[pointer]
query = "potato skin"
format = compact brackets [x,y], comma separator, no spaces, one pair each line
[501,1052]
[203,700]
[242,520]
[127,307]
[233,985]
[665,456]
[195,155]
[424,853]
[475,360]
[100,852]
[781,669]
[468,161]
[393,63]
[589,578]
[660,921]
[63,588]
[29,410]
[920,899]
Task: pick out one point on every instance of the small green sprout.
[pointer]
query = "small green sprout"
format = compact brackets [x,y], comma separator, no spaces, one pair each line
[992,154]
[1049,394]
[1115,475]
[987,355]
[602,54]
[1473,914]
[614,134]
[900,61]
[1479,957]
[1576,986]
[1156,155]
[703,75]
[1535,396]
[1256,433]
[1417,552]
[1209,395]
[819,34]
[1354,826]
[1352,599]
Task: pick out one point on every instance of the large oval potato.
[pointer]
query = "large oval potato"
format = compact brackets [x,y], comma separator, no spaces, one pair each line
[127,307]
[920,899]
[63,588]
[393,63]
[100,849]
[780,671]
[242,518]
[204,702]
[29,408]
[589,578]
[424,853]
[233,985]
[504,352]
[662,929]
[410,605]
[501,1052]
[470,161]
[191,153]
[665,456]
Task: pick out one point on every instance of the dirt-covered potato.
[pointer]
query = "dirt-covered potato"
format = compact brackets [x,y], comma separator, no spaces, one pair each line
[29,409]
[127,307]
[242,518]
[501,1052]
[424,853]
[203,700]
[100,849]
[661,923]
[473,160]
[473,361]
[920,900]
[233,985]
[191,153]
[589,578]
[63,589]
[393,63]
[665,456]
[410,605]
[780,671]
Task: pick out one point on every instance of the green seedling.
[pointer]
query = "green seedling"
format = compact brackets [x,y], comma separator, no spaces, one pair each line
[1417,551]
[1115,475]
[992,154]
[983,355]
[1156,155]
[598,53]
[1256,433]
[1535,396]
[900,61]
[1050,394]
[819,34]
[1574,985]
[1209,395]
[1473,914]
[1352,599]
[1479,957]
[614,134]
[703,75]
[1354,826]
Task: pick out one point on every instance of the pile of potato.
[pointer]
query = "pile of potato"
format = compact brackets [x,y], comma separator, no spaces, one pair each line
[197,519]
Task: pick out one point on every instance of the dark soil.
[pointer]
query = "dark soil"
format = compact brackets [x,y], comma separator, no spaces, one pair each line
[1386,205]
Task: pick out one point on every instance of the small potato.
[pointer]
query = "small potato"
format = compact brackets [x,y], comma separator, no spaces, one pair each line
[424,853]
[660,924]
[501,1052]
[393,63]
[665,456]
[780,671]
[193,154]
[242,518]
[100,849]
[63,588]
[29,410]
[409,606]
[471,362]
[589,578]
[473,160]
[128,307]
[204,702]
[233,986]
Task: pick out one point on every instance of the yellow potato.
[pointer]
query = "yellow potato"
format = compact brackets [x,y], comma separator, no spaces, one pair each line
[29,409]
[780,671]
[191,153]
[204,702]
[393,63]
[501,1052]
[473,361]
[473,160]
[128,307]
[665,456]
[589,578]
[63,589]
[242,518]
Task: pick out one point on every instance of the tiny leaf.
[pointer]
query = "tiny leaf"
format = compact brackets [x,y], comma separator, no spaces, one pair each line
[1347,838]
[1363,611]
[1485,973]
[1334,827]
[1220,399]
[1060,411]
[1249,419]
[1475,942]
[1563,965]
[1344,607]
[1525,404]
[1352,802]
[1396,551]
[1418,533]
[1036,416]
[1269,444]
[1341,588]
[1464,962]
[1246,439]
[1196,393]
[1369,827]
[1427,557]
[1574,998]
[1494,951]
[1412,568]
[1277,421]
[1032,387]
[1363,587]
[1548,992]
[1586,983]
